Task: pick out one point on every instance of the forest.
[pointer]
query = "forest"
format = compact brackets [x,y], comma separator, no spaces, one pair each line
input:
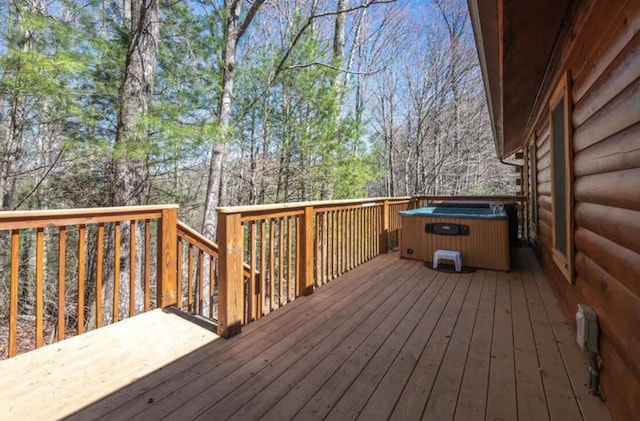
[206,103]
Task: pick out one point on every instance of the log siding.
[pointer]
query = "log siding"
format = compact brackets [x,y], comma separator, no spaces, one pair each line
[601,52]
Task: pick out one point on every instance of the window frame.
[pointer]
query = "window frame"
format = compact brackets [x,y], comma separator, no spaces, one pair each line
[565,263]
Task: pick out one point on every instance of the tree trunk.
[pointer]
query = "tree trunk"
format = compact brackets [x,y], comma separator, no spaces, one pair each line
[219,148]
[130,172]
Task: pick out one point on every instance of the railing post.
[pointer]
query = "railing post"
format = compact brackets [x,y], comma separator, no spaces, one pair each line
[167,258]
[305,281]
[230,270]
[384,225]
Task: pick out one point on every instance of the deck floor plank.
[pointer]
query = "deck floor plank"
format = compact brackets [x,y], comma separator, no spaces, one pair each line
[560,399]
[532,404]
[501,398]
[416,391]
[134,399]
[443,398]
[389,339]
[574,359]
[323,340]
[472,397]
[350,402]
[192,396]
[270,399]
[324,369]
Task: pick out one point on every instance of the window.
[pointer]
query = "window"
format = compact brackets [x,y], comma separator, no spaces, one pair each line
[533,190]
[562,176]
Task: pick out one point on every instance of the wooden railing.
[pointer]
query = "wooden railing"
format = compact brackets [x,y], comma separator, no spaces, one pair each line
[295,246]
[197,272]
[60,264]
[64,272]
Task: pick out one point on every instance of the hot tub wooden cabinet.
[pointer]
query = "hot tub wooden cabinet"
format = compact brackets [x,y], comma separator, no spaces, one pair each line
[481,237]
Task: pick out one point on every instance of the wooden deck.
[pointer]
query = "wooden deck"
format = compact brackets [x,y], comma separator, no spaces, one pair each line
[388,340]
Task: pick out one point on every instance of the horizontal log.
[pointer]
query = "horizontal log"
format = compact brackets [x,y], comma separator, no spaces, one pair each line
[543,144]
[621,112]
[620,386]
[544,202]
[66,217]
[624,69]
[619,262]
[545,234]
[544,162]
[602,292]
[622,226]
[616,189]
[622,25]
[544,189]
[546,216]
[544,175]
[618,152]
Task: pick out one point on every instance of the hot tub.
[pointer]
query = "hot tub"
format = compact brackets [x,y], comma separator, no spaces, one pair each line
[481,237]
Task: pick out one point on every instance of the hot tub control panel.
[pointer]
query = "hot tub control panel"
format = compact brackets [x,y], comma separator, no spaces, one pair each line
[447,229]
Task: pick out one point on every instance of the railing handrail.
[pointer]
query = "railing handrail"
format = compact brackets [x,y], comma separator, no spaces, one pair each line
[203,243]
[300,206]
[516,198]
[63,217]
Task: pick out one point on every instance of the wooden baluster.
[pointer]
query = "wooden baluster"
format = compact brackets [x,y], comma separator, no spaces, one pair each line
[331,250]
[13,293]
[99,257]
[363,233]
[231,286]
[132,268]
[180,258]
[340,248]
[296,289]
[200,282]
[211,285]
[82,246]
[317,248]
[116,274]
[167,258]
[290,278]
[62,253]
[280,262]
[40,287]
[349,245]
[189,277]
[367,232]
[263,267]
[147,263]
[252,269]
[272,282]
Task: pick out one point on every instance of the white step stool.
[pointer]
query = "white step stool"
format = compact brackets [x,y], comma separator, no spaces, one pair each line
[452,255]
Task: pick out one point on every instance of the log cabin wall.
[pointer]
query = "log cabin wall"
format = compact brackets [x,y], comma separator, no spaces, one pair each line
[601,50]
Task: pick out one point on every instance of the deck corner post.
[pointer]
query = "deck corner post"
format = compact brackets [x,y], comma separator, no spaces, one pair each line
[305,281]
[167,258]
[384,226]
[230,270]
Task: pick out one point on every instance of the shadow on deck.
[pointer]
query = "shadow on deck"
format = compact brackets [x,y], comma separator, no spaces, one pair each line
[390,339]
